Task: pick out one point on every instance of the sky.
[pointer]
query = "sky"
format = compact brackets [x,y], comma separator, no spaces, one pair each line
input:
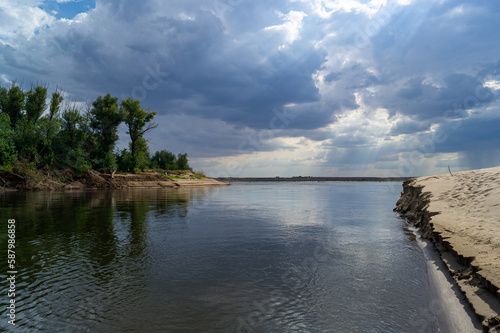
[254,88]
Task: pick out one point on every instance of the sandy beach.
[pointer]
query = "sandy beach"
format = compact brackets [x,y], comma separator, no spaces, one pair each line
[460,213]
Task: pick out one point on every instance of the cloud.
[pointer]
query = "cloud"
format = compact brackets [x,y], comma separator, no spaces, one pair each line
[20,19]
[361,82]
[290,29]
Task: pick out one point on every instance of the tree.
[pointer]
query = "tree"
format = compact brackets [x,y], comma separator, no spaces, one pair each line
[35,103]
[55,105]
[182,162]
[50,126]
[104,121]
[142,159]
[49,129]
[124,160]
[4,93]
[27,137]
[164,160]
[71,141]
[71,134]
[139,122]
[13,104]
[168,161]
[7,149]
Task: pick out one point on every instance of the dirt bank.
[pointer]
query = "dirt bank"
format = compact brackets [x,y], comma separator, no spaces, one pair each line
[68,180]
[460,214]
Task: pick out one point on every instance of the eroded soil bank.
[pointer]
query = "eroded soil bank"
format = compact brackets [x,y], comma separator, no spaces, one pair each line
[68,180]
[460,214]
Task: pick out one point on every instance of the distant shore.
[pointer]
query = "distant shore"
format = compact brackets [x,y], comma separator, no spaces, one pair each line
[460,214]
[94,180]
[311,179]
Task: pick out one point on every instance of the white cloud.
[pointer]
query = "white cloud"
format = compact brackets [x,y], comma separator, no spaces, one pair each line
[290,29]
[327,8]
[493,84]
[22,19]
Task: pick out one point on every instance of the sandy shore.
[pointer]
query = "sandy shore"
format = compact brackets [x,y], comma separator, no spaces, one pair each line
[460,213]
[453,314]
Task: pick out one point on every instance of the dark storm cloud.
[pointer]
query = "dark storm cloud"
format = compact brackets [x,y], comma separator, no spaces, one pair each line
[409,126]
[471,134]
[224,69]
[238,81]
[426,101]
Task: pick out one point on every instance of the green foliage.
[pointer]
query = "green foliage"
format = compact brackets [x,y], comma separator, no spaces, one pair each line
[138,122]
[35,103]
[200,175]
[75,140]
[3,98]
[49,129]
[104,121]
[27,137]
[35,135]
[71,133]
[141,160]
[166,160]
[13,104]
[71,141]
[182,162]
[124,161]
[55,105]
[77,159]
[7,148]
[109,162]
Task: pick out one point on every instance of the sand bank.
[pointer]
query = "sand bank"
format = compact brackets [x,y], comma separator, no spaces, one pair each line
[460,214]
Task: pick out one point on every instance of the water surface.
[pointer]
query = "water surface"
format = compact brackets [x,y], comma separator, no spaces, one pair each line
[275,257]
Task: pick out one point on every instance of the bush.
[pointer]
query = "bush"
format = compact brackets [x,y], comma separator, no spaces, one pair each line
[77,160]
[124,160]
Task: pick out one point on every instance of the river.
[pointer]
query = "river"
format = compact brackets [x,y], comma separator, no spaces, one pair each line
[259,257]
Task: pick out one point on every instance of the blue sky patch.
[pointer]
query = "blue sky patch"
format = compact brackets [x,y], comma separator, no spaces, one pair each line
[68,10]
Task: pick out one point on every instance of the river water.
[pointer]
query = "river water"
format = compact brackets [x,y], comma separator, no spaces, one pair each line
[260,257]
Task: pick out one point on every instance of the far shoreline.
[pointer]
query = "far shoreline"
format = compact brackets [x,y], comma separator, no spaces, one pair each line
[309,179]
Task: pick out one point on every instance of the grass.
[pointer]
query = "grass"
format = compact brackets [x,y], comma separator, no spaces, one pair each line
[175,177]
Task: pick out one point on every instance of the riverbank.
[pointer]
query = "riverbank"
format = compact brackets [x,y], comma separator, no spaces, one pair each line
[93,180]
[460,214]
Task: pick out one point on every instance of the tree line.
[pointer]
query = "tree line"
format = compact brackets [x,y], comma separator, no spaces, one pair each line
[44,135]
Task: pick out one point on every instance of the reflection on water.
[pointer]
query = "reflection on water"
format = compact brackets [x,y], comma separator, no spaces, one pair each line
[315,257]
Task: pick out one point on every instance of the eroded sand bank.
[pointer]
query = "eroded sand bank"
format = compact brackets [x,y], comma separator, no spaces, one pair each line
[460,213]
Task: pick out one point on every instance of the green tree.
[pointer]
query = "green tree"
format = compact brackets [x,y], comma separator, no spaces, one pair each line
[4,93]
[142,159]
[27,137]
[49,129]
[50,126]
[7,149]
[71,141]
[55,105]
[182,162]
[104,121]
[71,135]
[164,160]
[124,160]
[139,122]
[13,104]
[35,103]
